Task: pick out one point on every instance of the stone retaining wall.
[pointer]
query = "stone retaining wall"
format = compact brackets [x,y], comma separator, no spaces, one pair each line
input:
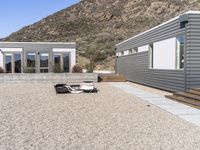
[48,77]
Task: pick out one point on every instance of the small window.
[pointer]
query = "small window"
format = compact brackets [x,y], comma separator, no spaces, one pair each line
[151,56]
[180,42]
[130,51]
[118,54]
[183,24]
[135,50]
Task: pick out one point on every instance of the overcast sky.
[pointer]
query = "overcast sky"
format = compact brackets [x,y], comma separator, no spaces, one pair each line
[15,14]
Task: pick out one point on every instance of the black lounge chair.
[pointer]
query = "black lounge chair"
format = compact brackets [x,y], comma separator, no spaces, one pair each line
[74,89]
[61,88]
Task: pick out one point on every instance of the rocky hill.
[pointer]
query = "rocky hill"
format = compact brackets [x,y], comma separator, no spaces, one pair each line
[97,25]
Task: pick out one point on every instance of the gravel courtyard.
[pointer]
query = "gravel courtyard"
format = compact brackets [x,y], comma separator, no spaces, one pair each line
[33,117]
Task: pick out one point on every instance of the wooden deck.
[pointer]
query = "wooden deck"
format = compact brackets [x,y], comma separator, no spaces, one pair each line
[111,78]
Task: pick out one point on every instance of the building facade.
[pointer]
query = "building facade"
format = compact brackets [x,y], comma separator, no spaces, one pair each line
[166,56]
[37,57]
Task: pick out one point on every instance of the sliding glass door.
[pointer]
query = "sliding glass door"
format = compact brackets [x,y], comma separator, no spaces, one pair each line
[13,63]
[61,62]
[8,63]
[57,64]
[17,63]
[66,62]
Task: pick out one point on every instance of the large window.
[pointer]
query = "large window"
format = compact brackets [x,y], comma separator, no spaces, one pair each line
[31,57]
[180,42]
[44,62]
[17,62]
[162,54]
[167,54]
[61,62]
[12,63]
[8,63]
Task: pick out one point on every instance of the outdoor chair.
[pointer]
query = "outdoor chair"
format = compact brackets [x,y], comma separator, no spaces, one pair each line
[86,87]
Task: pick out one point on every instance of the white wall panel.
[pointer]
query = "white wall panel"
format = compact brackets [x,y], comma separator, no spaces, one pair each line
[164,54]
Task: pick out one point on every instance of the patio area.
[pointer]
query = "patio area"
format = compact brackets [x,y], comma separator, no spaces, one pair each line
[33,117]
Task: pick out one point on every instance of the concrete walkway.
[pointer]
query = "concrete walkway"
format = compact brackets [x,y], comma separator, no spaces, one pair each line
[185,112]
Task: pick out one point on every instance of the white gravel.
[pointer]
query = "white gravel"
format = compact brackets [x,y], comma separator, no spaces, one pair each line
[33,117]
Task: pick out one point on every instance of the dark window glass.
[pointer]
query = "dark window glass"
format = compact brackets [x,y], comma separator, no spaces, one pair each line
[17,61]
[151,55]
[31,63]
[183,24]
[44,60]
[180,49]
[57,59]
[31,60]
[66,62]
[57,64]
[44,70]
[8,63]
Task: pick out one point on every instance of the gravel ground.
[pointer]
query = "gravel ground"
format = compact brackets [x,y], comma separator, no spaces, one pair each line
[33,117]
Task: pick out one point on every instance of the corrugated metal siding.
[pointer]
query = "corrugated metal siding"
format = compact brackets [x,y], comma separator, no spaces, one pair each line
[166,31]
[135,67]
[193,51]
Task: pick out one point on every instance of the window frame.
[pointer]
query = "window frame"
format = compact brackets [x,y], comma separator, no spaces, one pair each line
[61,54]
[26,60]
[44,68]
[12,53]
[151,48]
[177,55]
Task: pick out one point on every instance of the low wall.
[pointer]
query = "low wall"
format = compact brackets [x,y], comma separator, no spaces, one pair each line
[48,78]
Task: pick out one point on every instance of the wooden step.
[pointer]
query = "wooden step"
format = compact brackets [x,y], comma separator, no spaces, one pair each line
[184,100]
[112,78]
[188,95]
[196,89]
[193,92]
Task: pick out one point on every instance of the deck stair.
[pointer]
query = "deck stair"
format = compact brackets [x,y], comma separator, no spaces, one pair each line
[191,97]
[111,78]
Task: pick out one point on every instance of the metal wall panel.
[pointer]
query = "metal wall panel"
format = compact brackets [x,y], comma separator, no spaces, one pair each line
[135,67]
[193,51]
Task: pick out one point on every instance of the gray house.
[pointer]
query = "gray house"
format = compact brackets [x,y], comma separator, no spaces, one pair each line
[37,57]
[166,56]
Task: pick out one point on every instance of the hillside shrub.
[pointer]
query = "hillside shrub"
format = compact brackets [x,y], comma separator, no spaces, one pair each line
[77,69]
[90,67]
[1,70]
[99,56]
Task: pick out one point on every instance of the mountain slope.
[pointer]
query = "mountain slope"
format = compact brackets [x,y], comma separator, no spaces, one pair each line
[97,25]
